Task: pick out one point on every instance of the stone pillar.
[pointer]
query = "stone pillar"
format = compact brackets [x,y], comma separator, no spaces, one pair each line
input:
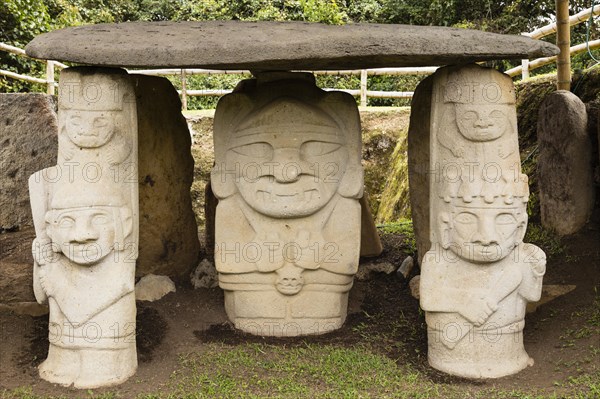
[565,174]
[85,213]
[288,177]
[478,274]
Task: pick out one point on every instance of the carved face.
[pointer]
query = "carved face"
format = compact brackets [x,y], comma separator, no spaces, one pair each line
[287,174]
[484,235]
[289,280]
[481,122]
[85,235]
[89,129]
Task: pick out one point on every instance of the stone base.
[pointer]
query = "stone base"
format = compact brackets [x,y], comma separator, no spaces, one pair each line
[266,312]
[480,354]
[88,368]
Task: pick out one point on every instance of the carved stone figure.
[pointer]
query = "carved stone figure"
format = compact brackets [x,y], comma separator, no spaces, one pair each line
[86,219]
[288,177]
[478,275]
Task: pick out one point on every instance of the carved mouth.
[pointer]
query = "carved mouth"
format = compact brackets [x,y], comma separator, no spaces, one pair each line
[303,196]
[88,134]
[492,251]
[289,287]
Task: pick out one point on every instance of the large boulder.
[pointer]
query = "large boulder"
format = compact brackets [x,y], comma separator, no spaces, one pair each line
[565,175]
[418,164]
[28,143]
[168,233]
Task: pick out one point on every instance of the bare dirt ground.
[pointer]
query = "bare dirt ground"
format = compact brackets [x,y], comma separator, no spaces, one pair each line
[563,336]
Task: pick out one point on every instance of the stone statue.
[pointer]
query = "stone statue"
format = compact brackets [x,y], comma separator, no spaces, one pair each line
[85,217]
[478,275]
[288,178]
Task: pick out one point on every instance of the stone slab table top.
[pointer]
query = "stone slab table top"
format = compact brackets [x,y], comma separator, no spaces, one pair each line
[278,45]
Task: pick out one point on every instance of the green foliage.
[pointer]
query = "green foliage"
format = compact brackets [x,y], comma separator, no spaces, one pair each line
[405,228]
[395,201]
[21,21]
[545,239]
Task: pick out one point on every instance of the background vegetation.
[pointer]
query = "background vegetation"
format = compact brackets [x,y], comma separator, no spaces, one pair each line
[22,20]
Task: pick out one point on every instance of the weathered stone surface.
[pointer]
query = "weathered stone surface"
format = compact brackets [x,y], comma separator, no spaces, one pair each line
[168,233]
[478,274]
[278,45]
[210,210]
[367,271]
[205,275]
[33,309]
[418,164]
[85,214]
[16,266]
[565,172]
[152,287]
[288,177]
[370,243]
[15,282]
[549,293]
[406,267]
[415,287]
[28,143]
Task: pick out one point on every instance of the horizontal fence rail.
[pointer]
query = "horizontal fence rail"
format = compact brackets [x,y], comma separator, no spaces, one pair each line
[540,62]
[50,67]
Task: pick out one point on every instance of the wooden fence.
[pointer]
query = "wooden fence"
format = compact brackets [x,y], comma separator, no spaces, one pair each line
[362,92]
[50,65]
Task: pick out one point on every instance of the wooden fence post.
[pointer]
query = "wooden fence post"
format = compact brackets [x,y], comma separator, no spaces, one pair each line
[563,41]
[50,77]
[524,69]
[363,88]
[183,90]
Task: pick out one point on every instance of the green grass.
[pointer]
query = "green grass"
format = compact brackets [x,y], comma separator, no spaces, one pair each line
[262,370]
[547,240]
[404,227]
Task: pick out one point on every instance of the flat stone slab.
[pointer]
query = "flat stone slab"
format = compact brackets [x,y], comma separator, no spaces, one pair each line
[278,45]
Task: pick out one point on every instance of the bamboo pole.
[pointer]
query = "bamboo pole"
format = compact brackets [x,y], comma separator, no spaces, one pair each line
[573,20]
[563,41]
[363,88]
[539,62]
[184,92]
[524,69]
[22,77]
[50,77]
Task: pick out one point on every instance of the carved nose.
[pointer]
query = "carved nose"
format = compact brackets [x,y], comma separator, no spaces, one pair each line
[84,232]
[484,122]
[287,165]
[485,234]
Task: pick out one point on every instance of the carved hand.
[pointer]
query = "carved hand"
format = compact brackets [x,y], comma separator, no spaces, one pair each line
[458,151]
[42,251]
[477,311]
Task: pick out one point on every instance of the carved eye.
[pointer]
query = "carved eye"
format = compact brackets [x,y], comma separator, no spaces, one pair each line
[505,219]
[317,148]
[470,115]
[465,218]
[496,114]
[75,120]
[255,150]
[100,121]
[100,220]
[66,223]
